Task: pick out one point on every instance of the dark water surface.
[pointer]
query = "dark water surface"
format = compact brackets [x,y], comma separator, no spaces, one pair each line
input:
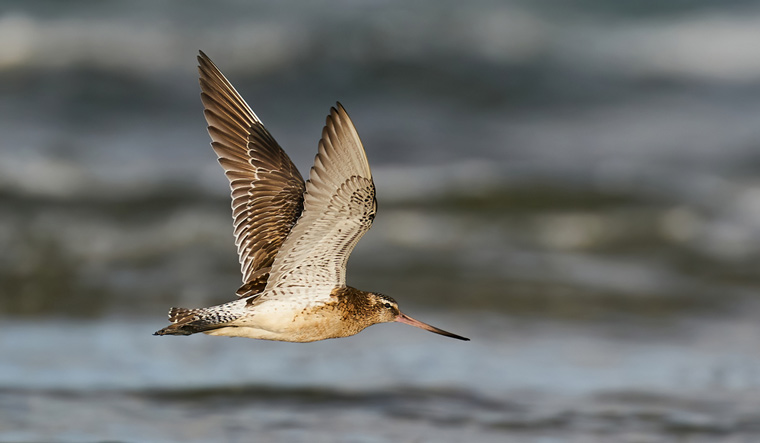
[517,380]
[573,185]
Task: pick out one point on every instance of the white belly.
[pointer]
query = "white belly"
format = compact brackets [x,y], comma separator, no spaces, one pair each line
[274,320]
[248,332]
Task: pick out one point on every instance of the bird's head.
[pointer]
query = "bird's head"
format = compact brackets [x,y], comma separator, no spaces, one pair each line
[385,309]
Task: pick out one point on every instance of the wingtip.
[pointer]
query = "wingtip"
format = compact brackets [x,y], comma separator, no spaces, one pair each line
[202,57]
[340,110]
[338,115]
[205,65]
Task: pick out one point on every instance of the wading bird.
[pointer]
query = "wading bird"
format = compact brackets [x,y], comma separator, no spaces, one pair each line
[293,237]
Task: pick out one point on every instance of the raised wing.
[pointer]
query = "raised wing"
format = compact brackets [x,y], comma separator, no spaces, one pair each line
[339,206]
[267,189]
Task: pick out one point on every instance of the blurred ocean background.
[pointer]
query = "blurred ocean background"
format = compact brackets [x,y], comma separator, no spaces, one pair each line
[574,185]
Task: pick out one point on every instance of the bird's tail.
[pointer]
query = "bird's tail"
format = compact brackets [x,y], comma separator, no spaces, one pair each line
[184,322]
[190,321]
[187,321]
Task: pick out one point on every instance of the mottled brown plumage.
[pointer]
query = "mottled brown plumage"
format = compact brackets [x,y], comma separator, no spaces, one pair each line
[266,187]
[293,238]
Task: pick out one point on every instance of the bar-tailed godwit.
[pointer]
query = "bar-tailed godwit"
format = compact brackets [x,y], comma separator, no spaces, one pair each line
[293,237]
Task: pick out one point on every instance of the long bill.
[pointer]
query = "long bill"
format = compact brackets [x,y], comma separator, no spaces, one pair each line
[403,318]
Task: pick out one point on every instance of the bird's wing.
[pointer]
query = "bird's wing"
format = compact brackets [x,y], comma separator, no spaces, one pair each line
[339,206]
[267,189]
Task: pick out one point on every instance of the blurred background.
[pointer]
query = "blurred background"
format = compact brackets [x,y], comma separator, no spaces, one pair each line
[571,184]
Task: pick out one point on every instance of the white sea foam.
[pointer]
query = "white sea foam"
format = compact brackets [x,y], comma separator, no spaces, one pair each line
[701,45]
[704,46]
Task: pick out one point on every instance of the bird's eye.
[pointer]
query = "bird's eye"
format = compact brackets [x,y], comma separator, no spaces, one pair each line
[387,305]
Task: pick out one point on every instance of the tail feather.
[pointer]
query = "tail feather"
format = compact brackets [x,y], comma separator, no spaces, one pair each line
[184,322]
[189,321]
[175,329]
[177,315]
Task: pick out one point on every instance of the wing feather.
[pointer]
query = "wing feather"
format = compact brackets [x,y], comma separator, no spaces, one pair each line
[339,206]
[266,188]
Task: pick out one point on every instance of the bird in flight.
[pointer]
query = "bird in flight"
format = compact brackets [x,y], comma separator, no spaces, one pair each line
[293,237]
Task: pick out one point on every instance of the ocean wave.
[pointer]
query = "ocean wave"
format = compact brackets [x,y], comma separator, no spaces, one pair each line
[702,45]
